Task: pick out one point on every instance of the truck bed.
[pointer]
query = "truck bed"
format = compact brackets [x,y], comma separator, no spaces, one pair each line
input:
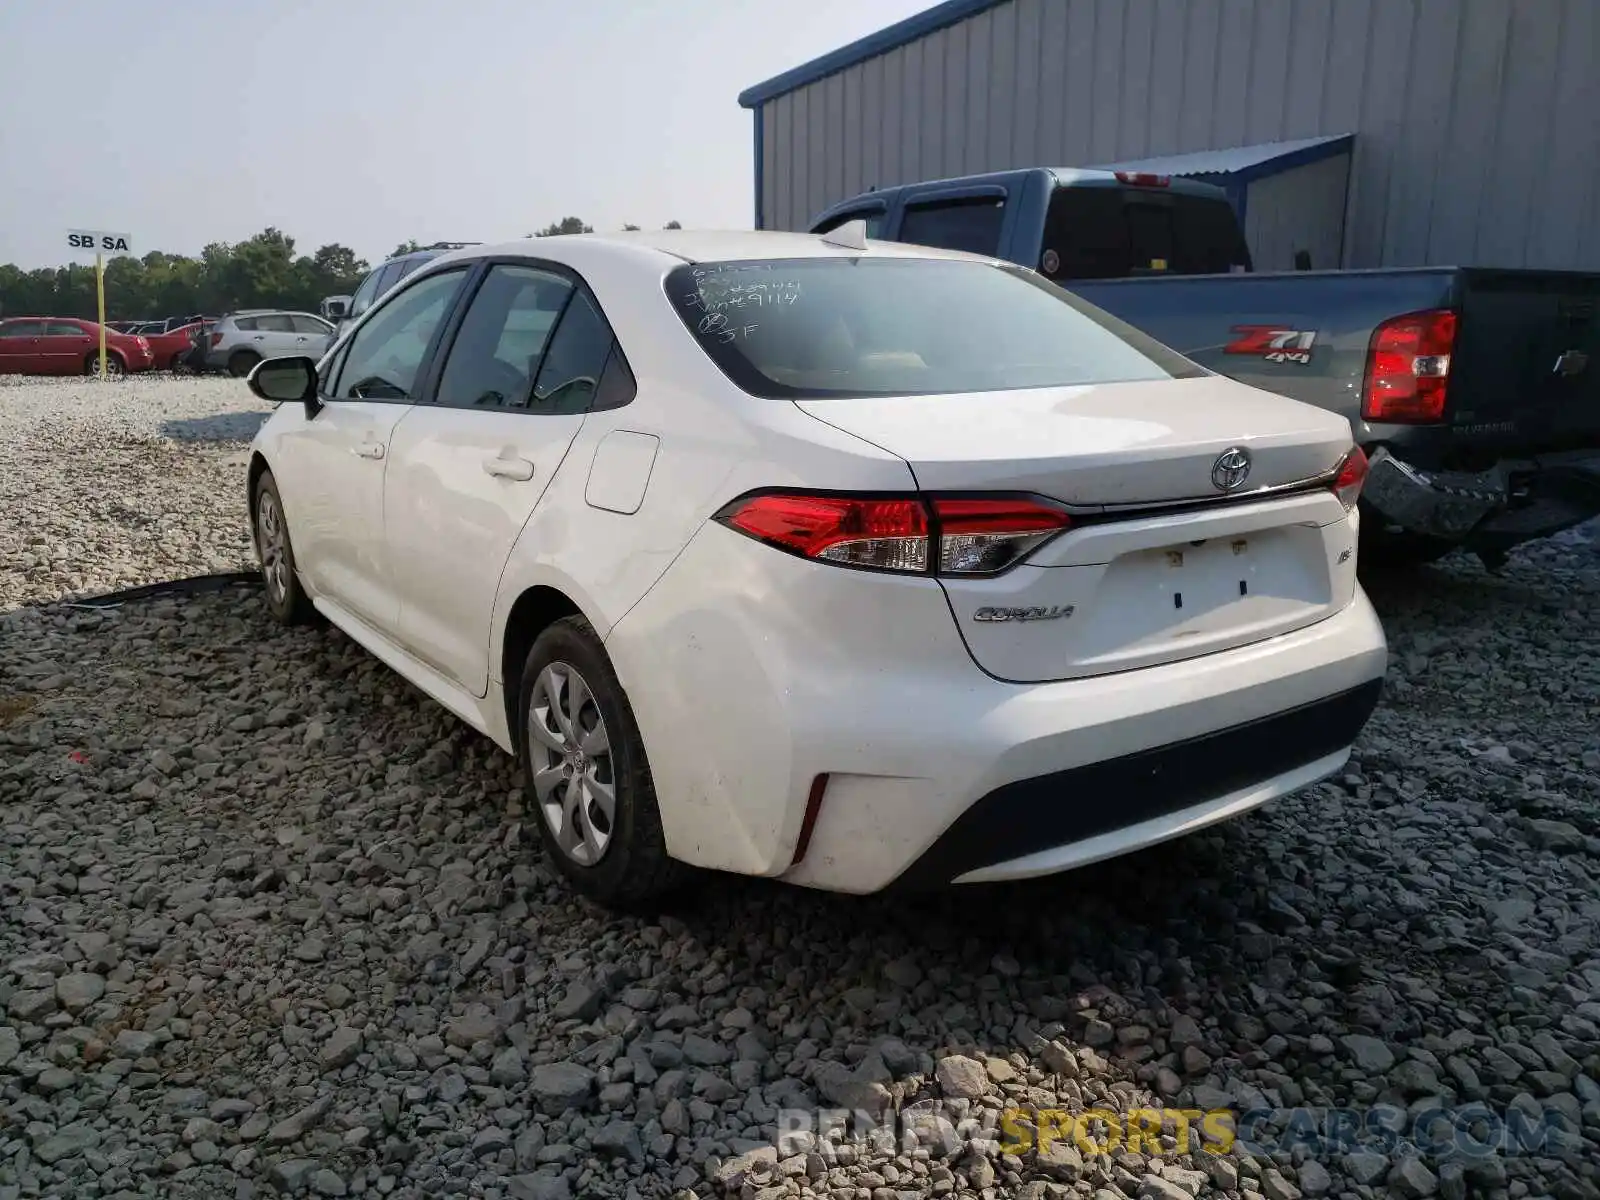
[1515,451]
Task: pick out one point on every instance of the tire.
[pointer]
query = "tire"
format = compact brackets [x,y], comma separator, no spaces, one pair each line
[632,870]
[241,361]
[1398,549]
[286,598]
[114,364]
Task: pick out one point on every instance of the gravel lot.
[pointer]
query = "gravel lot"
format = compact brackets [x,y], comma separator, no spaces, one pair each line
[271,921]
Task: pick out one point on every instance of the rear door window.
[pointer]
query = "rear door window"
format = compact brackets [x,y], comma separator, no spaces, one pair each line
[575,360]
[501,346]
[971,223]
[275,323]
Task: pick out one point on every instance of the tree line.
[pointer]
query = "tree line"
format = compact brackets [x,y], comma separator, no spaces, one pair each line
[263,271]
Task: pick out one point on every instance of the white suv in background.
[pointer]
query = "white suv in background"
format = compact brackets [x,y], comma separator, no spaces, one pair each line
[240,340]
[852,564]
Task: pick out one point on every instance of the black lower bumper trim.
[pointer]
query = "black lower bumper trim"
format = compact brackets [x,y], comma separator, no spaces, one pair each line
[1050,811]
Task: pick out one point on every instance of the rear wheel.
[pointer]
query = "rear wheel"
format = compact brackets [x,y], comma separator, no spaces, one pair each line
[286,599]
[114,364]
[587,776]
[240,362]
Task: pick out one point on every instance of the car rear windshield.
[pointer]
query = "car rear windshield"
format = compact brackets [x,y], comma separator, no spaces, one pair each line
[827,327]
[1112,232]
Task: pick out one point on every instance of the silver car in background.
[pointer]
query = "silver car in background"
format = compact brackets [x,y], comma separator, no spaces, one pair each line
[242,339]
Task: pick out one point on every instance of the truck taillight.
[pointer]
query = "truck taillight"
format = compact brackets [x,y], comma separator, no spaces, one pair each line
[216,338]
[1352,474]
[907,535]
[1408,368]
[1143,179]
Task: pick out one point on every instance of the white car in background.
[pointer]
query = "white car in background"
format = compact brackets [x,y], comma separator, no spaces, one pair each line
[240,340]
[852,564]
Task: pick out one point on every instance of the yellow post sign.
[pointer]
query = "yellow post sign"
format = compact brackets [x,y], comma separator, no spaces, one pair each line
[100,307]
[102,245]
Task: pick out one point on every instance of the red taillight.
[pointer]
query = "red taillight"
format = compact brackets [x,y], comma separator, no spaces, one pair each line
[216,338]
[1143,179]
[979,537]
[1408,368]
[1352,474]
[915,535]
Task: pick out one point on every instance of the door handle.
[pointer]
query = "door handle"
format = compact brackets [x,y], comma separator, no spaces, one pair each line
[509,468]
[368,450]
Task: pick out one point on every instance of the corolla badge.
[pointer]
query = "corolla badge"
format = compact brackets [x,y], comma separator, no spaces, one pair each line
[1043,612]
[1231,469]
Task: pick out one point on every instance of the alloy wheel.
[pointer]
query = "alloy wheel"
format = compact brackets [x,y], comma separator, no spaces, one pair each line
[273,546]
[573,776]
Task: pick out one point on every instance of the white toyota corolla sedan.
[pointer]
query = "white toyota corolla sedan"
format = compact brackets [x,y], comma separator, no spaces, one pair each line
[853,564]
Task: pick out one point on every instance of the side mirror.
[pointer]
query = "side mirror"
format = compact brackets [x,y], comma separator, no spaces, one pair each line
[337,310]
[284,380]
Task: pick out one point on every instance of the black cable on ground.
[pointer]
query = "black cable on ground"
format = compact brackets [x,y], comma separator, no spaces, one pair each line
[195,585]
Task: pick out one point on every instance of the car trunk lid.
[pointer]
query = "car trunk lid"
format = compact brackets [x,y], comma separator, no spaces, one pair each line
[1159,564]
[1115,444]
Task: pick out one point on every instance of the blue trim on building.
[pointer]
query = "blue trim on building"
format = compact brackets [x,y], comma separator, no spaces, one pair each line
[1298,158]
[892,38]
[760,161]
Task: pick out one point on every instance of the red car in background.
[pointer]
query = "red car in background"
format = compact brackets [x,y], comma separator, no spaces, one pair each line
[173,346]
[67,346]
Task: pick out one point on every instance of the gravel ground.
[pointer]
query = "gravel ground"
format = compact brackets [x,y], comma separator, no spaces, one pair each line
[272,922]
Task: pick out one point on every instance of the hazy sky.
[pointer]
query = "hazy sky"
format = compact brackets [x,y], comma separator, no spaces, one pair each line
[369,122]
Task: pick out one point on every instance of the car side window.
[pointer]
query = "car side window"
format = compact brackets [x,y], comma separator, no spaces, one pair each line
[387,351]
[246,324]
[389,277]
[22,329]
[305,323]
[329,374]
[62,329]
[575,361]
[362,300]
[275,323]
[971,224]
[499,349]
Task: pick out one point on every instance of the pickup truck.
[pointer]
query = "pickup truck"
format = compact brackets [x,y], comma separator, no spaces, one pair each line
[1475,392]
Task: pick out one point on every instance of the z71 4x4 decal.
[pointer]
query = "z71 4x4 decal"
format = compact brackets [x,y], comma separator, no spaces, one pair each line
[1272,342]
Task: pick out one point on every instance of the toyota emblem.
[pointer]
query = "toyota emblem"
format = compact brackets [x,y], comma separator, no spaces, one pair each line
[1231,469]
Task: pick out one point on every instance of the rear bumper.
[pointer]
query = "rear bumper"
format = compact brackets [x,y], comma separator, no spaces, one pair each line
[1070,818]
[1512,502]
[755,677]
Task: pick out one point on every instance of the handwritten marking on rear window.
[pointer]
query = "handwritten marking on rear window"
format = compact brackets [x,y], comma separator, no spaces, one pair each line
[717,325]
[760,296]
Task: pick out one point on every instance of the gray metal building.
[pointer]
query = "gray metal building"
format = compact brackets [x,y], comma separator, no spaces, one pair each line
[1452,131]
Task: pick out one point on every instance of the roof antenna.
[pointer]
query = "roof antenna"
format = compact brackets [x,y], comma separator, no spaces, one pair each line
[852,235]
